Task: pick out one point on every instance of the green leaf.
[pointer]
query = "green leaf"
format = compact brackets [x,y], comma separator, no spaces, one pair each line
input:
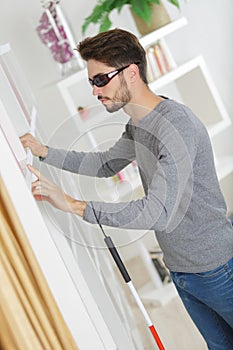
[175,2]
[109,5]
[121,3]
[94,17]
[100,13]
[142,9]
[105,23]
[154,2]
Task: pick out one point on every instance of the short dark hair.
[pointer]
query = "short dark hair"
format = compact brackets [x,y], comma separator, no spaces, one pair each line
[116,48]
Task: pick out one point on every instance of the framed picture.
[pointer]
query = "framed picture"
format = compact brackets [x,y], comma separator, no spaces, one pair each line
[17,85]
[17,112]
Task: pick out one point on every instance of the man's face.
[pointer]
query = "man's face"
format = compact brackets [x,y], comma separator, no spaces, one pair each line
[114,95]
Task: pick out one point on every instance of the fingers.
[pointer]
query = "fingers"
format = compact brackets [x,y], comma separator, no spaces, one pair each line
[45,190]
[40,193]
[37,185]
[40,187]
[39,176]
[34,171]
[40,190]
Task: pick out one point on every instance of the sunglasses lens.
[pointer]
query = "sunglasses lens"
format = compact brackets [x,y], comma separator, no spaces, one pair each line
[101,80]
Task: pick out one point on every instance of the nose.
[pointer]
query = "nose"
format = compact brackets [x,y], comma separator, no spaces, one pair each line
[96,90]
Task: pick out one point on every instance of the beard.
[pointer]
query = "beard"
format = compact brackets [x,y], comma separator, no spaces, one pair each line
[120,99]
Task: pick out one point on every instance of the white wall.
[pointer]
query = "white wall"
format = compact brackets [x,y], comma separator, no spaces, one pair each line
[209,33]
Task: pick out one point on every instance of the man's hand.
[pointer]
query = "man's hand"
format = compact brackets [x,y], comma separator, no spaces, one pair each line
[45,190]
[35,146]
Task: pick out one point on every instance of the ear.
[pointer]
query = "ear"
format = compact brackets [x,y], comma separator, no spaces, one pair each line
[133,73]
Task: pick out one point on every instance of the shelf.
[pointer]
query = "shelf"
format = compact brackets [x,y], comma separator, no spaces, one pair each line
[163,31]
[201,96]
[116,192]
[176,73]
[72,79]
[70,88]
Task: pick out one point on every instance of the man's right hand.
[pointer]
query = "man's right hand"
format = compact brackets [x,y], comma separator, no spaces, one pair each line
[35,146]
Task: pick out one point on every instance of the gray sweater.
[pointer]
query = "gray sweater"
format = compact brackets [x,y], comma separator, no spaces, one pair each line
[183,202]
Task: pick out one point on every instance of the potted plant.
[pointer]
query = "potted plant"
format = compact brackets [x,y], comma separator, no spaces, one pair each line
[144,10]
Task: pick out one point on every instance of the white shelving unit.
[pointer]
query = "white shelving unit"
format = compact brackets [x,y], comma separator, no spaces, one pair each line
[190,83]
[162,32]
[202,95]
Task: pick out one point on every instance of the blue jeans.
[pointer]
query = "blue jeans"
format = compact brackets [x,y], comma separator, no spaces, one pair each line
[208,298]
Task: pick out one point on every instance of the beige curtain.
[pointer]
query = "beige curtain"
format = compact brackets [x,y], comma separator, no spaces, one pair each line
[29,316]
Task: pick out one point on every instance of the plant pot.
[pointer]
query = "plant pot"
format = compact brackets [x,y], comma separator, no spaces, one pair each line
[160,17]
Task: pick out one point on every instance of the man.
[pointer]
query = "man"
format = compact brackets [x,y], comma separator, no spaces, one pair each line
[183,203]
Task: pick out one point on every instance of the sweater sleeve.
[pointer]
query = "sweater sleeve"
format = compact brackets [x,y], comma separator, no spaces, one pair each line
[98,164]
[169,191]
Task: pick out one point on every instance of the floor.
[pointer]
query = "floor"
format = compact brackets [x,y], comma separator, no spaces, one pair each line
[174,326]
[171,320]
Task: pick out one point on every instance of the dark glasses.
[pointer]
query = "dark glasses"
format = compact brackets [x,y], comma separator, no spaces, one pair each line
[100,80]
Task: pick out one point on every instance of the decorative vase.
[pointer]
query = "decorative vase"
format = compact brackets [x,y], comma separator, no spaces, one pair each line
[159,18]
[55,33]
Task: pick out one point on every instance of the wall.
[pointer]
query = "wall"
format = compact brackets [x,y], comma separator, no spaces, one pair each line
[209,33]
